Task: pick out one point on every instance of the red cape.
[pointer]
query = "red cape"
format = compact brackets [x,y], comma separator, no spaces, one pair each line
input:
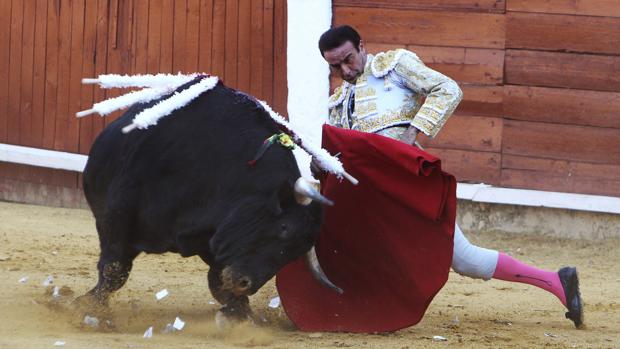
[386,242]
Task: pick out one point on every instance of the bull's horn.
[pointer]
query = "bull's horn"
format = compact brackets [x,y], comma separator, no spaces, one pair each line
[305,193]
[315,268]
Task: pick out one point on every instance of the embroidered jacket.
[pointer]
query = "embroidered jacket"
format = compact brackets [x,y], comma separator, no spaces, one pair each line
[390,93]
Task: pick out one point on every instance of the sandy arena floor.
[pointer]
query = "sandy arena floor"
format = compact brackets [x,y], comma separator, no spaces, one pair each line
[39,241]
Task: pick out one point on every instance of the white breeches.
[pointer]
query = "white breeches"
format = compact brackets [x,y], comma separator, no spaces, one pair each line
[470,260]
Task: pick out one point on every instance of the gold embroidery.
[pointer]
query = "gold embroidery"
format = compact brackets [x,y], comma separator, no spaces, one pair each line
[335,116]
[393,132]
[384,62]
[336,96]
[364,92]
[390,118]
[429,114]
[424,126]
[365,109]
[362,79]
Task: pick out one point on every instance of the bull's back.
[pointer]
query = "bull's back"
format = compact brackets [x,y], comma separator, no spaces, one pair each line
[194,155]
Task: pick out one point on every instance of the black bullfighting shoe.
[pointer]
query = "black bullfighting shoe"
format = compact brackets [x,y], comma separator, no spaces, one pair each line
[570,283]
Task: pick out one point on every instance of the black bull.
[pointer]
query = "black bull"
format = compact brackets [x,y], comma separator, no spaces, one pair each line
[185,186]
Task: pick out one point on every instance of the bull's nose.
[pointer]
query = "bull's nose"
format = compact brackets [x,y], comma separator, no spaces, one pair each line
[242,285]
[235,282]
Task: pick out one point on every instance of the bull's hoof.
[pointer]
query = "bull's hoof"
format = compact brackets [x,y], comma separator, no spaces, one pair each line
[224,321]
[92,314]
[89,304]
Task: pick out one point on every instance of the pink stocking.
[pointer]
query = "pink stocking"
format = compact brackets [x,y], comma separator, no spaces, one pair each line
[510,269]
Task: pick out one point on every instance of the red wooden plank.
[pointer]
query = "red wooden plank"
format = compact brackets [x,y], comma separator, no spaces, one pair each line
[433,28]
[481,100]
[154,37]
[75,80]
[551,69]
[114,14]
[562,106]
[256,50]
[192,37]
[231,36]
[465,65]
[243,59]
[180,26]
[574,7]
[127,28]
[470,166]
[167,31]
[120,58]
[218,52]
[5,41]
[124,44]
[64,74]
[38,89]
[563,142]
[51,75]
[564,168]
[455,5]
[27,68]
[101,60]
[140,45]
[206,38]
[268,50]
[88,70]
[560,175]
[468,133]
[279,53]
[125,36]
[537,31]
[376,47]
[543,181]
[17,20]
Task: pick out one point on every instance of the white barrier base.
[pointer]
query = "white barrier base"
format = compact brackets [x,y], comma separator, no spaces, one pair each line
[474,192]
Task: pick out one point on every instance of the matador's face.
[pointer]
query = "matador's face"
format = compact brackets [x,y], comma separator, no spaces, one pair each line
[347,60]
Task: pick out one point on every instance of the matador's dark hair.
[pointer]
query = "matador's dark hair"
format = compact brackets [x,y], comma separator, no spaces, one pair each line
[337,36]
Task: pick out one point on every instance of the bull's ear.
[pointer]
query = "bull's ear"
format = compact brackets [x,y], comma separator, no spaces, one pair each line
[282,198]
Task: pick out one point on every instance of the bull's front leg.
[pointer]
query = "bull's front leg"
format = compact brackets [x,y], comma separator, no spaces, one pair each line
[235,308]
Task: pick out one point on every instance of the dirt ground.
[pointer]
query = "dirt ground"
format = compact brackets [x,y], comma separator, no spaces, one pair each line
[39,241]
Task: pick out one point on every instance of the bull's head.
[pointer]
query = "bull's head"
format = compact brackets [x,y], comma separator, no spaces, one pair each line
[262,233]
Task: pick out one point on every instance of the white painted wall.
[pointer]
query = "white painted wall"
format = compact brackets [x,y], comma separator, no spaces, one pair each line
[42,157]
[307,72]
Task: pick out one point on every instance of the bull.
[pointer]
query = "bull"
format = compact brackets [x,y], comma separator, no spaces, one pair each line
[185,186]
